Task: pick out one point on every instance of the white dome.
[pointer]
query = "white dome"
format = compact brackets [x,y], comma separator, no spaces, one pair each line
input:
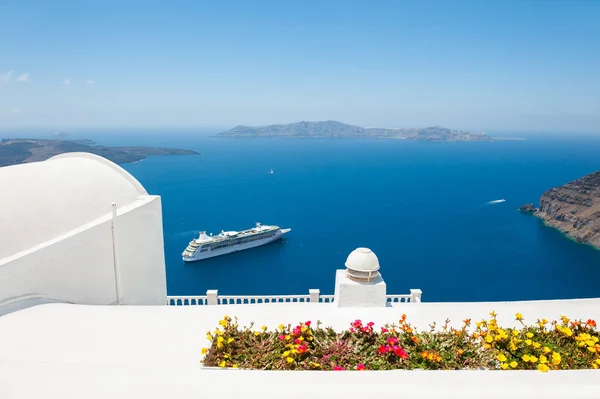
[43,200]
[362,260]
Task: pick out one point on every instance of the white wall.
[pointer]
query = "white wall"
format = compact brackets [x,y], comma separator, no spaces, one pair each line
[78,267]
[140,247]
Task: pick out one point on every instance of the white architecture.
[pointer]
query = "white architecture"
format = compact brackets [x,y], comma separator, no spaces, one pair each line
[62,240]
[360,284]
[77,228]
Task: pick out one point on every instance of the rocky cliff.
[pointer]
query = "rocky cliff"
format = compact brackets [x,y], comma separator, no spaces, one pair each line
[574,209]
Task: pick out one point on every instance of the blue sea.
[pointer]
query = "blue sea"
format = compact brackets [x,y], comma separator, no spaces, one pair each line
[423,208]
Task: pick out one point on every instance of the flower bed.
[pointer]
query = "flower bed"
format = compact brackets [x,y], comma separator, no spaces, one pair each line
[556,345]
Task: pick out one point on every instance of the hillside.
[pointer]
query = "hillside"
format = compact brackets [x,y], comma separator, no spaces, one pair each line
[334,129]
[16,151]
[573,208]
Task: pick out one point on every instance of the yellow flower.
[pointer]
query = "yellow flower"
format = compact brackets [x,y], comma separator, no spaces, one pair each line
[488,338]
[536,345]
[223,323]
[514,364]
[281,326]
[487,346]
[204,350]
[264,328]
[519,316]
[546,349]
[288,337]
[219,345]
[303,329]
[504,366]
[543,359]
[220,339]
[285,354]
[556,358]
[513,346]
[544,321]
[230,340]
[525,358]
[256,333]
[543,367]
[598,361]
[235,366]
[529,335]
[591,349]
[493,314]
[501,357]
[478,324]
[315,364]
[290,359]
[567,331]
[533,359]
[528,342]
[222,364]
[565,319]
[515,332]
[226,356]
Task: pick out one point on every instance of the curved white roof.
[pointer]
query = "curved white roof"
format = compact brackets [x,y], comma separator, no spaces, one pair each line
[362,259]
[42,200]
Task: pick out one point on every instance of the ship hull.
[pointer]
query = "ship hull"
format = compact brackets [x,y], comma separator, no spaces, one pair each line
[234,248]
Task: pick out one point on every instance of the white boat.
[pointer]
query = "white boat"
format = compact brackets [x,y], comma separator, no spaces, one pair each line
[226,242]
[271,172]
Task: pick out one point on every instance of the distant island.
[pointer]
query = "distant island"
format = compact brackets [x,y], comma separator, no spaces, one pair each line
[334,129]
[17,151]
[573,208]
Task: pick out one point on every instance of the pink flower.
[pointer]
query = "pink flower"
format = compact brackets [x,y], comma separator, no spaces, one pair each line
[357,324]
[400,353]
[392,340]
[281,337]
[297,341]
[364,329]
[338,368]
[352,330]
[301,349]
[384,330]
[325,357]
[360,367]
[297,331]
[307,324]
[382,349]
[370,324]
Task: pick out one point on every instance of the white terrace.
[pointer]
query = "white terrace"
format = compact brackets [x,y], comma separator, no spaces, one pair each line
[85,311]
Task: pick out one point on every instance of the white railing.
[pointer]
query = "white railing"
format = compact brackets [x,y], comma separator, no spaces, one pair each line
[212,297]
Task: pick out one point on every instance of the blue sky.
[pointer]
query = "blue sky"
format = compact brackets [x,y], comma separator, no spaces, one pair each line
[490,65]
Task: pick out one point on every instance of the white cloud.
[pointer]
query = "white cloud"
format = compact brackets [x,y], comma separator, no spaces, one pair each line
[6,76]
[90,82]
[24,78]
[15,110]
[67,81]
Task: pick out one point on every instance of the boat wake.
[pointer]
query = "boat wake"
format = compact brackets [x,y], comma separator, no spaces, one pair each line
[498,201]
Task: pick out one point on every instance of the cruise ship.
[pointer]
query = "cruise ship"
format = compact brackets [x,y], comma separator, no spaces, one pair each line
[206,246]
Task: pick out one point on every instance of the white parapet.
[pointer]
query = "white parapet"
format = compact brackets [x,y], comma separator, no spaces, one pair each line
[349,293]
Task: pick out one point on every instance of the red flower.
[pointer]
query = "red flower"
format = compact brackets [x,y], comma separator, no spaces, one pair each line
[297,331]
[301,349]
[297,341]
[307,324]
[357,324]
[384,330]
[400,352]
[352,330]
[360,367]
[392,340]
[364,329]
[338,368]
[370,324]
[591,323]
[281,337]
[382,349]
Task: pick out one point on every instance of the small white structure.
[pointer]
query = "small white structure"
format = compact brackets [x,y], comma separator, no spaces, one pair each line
[78,228]
[360,285]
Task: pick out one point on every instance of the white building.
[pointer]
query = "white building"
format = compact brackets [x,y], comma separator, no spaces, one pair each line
[63,240]
[57,245]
